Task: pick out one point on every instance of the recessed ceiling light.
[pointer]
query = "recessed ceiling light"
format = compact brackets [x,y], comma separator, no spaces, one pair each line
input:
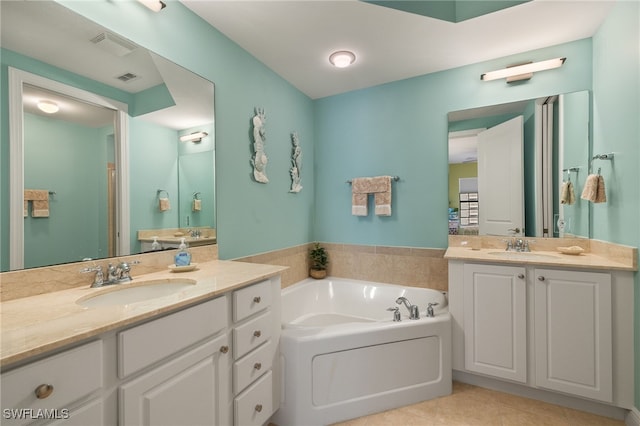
[342,58]
[49,107]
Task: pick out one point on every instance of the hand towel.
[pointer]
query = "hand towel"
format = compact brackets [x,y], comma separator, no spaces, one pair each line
[379,186]
[197,205]
[594,189]
[164,204]
[567,194]
[40,199]
[26,208]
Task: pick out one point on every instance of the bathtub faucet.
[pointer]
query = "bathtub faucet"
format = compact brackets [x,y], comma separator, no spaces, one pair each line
[414,312]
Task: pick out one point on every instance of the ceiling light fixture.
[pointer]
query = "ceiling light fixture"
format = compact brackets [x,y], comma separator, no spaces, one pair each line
[155,5]
[193,137]
[49,107]
[342,58]
[522,71]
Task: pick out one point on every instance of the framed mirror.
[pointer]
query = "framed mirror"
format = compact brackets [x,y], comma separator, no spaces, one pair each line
[521,191]
[115,143]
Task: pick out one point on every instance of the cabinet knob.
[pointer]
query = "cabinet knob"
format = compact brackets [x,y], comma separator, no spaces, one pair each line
[521,276]
[257,366]
[257,333]
[43,391]
[259,408]
[224,349]
[540,278]
[257,299]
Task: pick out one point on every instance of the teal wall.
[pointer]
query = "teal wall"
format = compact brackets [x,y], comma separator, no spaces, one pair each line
[400,129]
[616,128]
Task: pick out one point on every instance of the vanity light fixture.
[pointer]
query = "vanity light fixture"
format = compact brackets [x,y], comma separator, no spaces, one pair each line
[194,137]
[522,71]
[342,58]
[155,5]
[49,107]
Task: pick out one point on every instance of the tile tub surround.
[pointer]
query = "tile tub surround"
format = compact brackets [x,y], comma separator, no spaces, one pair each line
[597,255]
[31,282]
[35,325]
[414,267]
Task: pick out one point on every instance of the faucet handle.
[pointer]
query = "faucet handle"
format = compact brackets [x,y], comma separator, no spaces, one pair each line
[430,313]
[396,314]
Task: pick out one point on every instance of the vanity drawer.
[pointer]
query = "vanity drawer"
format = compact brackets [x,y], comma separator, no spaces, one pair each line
[71,375]
[250,300]
[141,346]
[252,334]
[255,405]
[252,366]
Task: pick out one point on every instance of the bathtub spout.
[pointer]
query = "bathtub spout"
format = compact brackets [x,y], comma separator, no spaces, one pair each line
[414,312]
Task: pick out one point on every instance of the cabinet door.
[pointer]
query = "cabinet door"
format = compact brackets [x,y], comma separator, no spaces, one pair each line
[192,389]
[495,327]
[573,332]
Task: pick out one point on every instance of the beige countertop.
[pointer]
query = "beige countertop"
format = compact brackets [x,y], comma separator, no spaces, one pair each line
[584,260]
[34,325]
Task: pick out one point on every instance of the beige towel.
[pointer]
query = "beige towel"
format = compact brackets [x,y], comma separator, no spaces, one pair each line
[197,205]
[40,199]
[164,204]
[567,194]
[26,208]
[594,189]
[379,186]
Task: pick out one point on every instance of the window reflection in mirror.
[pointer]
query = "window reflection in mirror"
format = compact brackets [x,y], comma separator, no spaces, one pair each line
[564,122]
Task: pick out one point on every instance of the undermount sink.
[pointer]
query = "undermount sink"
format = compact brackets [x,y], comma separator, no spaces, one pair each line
[124,294]
[522,255]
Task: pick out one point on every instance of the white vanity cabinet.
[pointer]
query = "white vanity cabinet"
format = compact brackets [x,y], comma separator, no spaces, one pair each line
[558,329]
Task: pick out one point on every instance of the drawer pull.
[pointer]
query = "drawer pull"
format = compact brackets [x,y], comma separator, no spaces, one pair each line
[521,276]
[257,299]
[259,408]
[257,366]
[257,333]
[224,349]
[43,391]
[541,278]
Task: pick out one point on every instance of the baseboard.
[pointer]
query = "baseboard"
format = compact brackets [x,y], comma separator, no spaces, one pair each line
[633,417]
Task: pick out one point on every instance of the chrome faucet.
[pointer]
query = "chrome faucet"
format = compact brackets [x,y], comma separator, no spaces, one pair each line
[430,313]
[116,274]
[396,314]
[414,312]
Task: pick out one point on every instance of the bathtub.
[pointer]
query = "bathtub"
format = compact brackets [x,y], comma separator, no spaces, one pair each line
[344,357]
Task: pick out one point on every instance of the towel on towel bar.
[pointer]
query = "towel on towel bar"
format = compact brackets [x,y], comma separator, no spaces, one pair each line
[197,205]
[40,200]
[164,204]
[594,189]
[380,186]
[567,194]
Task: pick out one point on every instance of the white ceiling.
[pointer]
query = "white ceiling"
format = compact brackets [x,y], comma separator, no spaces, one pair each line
[294,38]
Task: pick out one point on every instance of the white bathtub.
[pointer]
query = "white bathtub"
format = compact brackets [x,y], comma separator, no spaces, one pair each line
[344,356]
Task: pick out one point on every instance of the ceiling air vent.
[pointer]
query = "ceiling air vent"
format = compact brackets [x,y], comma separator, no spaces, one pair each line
[127,77]
[113,44]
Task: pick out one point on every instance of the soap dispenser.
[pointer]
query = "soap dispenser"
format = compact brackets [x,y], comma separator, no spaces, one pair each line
[183,257]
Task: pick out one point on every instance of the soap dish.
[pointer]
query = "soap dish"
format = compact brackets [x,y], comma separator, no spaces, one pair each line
[186,268]
[574,250]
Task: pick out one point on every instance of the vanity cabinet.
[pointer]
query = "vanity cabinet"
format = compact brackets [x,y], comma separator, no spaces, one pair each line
[495,321]
[557,329]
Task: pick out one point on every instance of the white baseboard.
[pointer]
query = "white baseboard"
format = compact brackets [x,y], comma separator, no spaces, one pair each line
[633,417]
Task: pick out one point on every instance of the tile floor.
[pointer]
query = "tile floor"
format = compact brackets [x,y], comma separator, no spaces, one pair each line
[475,406]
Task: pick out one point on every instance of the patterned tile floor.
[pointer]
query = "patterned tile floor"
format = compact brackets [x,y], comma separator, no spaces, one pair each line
[475,406]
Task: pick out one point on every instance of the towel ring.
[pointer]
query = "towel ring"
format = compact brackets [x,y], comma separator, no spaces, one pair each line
[196,195]
[160,191]
[600,157]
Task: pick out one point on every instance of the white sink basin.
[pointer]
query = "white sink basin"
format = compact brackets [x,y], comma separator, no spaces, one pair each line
[124,294]
[526,255]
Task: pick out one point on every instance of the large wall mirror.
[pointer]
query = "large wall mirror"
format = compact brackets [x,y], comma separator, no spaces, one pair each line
[510,166]
[128,155]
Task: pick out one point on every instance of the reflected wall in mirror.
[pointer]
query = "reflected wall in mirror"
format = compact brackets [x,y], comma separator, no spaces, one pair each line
[87,165]
[555,150]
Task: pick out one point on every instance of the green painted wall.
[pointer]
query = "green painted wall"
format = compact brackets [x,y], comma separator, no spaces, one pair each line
[457,171]
[616,128]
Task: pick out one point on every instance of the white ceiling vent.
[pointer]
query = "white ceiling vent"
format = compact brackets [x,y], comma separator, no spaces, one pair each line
[113,44]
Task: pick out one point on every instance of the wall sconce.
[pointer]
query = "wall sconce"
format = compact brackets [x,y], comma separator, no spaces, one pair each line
[522,71]
[195,137]
[342,58]
[49,107]
[155,5]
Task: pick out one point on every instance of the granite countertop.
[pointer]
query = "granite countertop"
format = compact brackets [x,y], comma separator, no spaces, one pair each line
[34,325]
[584,260]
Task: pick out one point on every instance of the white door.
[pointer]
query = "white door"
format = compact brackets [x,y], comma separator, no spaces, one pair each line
[573,332]
[495,321]
[500,178]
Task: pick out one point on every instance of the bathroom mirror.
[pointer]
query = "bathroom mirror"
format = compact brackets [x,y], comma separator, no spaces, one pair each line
[121,161]
[555,149]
